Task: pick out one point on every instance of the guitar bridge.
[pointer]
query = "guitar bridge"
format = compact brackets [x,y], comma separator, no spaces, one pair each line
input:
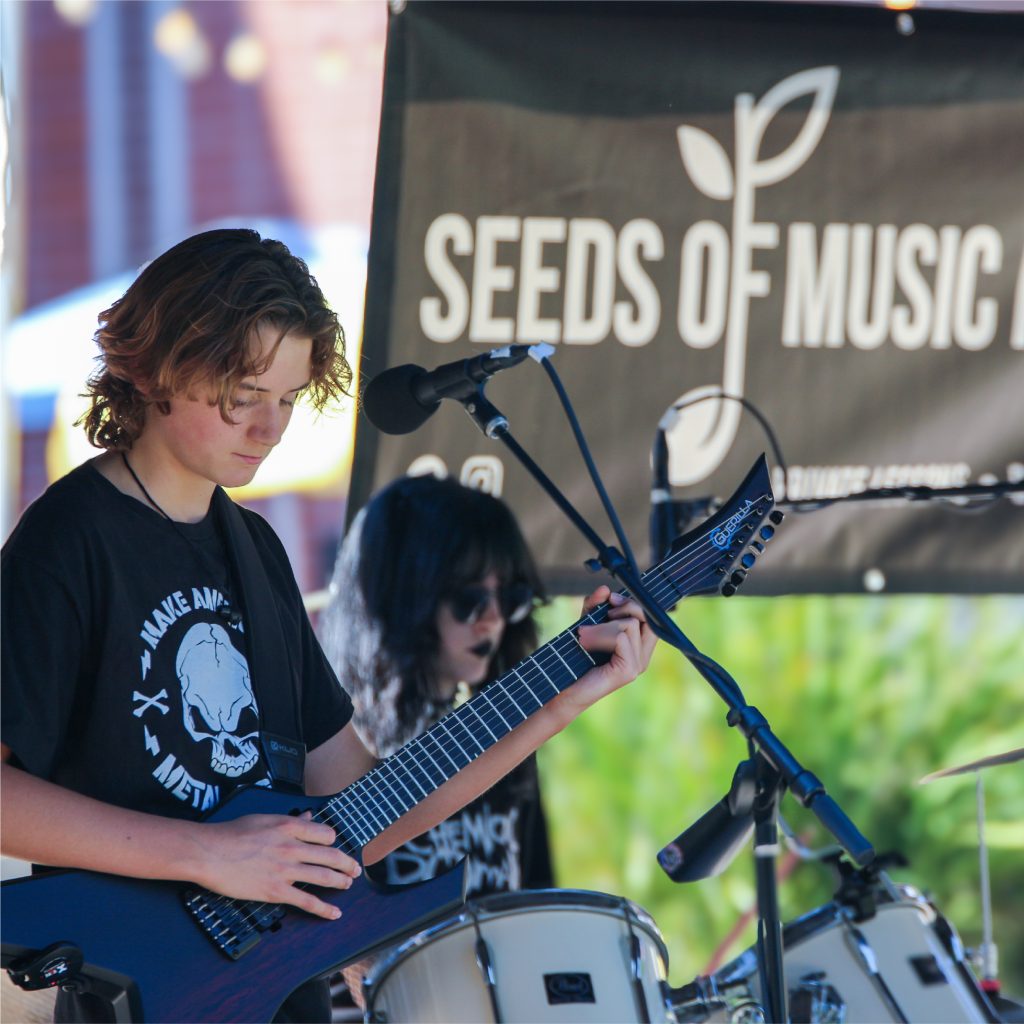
[232,926]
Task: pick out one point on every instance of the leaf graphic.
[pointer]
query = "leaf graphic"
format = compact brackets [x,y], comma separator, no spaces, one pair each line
[819,82]
[706,162]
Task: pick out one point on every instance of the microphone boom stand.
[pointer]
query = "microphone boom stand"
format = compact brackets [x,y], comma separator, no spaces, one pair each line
[776,768]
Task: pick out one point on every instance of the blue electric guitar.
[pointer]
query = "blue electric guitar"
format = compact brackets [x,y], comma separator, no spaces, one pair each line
[173,952]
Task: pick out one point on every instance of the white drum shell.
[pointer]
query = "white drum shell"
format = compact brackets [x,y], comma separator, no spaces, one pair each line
[897,934]
[823,944]
[435,977]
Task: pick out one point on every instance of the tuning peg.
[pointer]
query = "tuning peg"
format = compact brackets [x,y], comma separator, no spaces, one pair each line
[738,576]
[748,560]
[767,532]
[728,590]
[777,516]
[757,546]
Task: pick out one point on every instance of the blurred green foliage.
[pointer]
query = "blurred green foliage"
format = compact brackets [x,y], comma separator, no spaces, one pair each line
[871,694]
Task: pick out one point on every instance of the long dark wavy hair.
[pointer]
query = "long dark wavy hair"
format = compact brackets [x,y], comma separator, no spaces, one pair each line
[186,322]
[415,542]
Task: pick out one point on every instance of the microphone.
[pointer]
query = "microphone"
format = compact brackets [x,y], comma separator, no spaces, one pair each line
[708,846]
[401,399]
[662,526]
[711,843]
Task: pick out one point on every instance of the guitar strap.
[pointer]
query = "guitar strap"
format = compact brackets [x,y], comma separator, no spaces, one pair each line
[274,675]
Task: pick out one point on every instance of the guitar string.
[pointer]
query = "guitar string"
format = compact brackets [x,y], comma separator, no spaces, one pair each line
[446,749]
[535,664]
[443,746]
[699,549]
[663,589]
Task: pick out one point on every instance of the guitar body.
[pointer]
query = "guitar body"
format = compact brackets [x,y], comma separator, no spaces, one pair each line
[137,934]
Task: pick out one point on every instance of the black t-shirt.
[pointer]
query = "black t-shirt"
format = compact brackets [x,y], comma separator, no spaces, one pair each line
[120,680]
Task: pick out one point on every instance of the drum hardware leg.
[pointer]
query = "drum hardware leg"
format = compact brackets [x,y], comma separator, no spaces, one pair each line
[486,965]
[708,846]
[770,787]
[861,948]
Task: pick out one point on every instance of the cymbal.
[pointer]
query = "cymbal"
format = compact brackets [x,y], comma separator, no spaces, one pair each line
[973,766]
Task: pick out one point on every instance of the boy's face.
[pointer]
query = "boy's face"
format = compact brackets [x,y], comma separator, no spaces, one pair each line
[194,444]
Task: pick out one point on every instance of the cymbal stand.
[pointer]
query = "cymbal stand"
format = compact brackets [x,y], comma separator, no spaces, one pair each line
[987,956]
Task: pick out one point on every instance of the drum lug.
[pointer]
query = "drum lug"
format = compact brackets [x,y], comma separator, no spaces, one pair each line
[636,965]
[815,1001]
[486,965]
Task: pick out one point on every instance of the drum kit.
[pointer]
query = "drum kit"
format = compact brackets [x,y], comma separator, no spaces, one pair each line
[879,951]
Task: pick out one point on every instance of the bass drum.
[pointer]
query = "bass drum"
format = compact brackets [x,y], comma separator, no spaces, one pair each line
[550,955]
[903,963]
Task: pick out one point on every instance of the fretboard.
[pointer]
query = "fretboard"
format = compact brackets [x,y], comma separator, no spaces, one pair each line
[378,799]
[424,764]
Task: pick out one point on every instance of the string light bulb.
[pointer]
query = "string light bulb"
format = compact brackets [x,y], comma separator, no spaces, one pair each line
[76,12]
[245,58]
[178,37]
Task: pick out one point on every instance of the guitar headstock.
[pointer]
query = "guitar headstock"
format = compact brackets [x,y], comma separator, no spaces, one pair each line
[717,555]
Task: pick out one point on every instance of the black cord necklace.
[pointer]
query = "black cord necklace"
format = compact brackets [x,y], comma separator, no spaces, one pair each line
[225,609]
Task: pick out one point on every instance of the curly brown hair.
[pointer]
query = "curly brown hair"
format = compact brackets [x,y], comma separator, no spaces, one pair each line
[187,321]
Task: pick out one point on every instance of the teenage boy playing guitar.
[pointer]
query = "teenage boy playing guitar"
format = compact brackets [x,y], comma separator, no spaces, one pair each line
[145,677]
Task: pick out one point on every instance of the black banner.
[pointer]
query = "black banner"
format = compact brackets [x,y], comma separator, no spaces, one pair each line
[816,209]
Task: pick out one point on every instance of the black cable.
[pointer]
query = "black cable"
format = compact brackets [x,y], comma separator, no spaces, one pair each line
[970,507]
[695,656]
[773,441]
[581,443]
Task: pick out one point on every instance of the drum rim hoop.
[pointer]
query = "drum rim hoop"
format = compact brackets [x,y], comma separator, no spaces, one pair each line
[519,901]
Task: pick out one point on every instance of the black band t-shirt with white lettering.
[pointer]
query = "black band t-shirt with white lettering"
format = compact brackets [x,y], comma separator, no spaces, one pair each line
[120,679]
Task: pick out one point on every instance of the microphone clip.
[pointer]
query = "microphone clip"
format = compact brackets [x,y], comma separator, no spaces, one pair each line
[483,413]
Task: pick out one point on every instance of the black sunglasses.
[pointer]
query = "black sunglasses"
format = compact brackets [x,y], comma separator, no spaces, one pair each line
[515,600]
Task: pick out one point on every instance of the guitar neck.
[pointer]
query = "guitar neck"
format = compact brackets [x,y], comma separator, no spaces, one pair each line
[401,781]
[377,800]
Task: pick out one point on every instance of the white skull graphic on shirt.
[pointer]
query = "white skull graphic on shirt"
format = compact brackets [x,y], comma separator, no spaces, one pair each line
[218,703]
